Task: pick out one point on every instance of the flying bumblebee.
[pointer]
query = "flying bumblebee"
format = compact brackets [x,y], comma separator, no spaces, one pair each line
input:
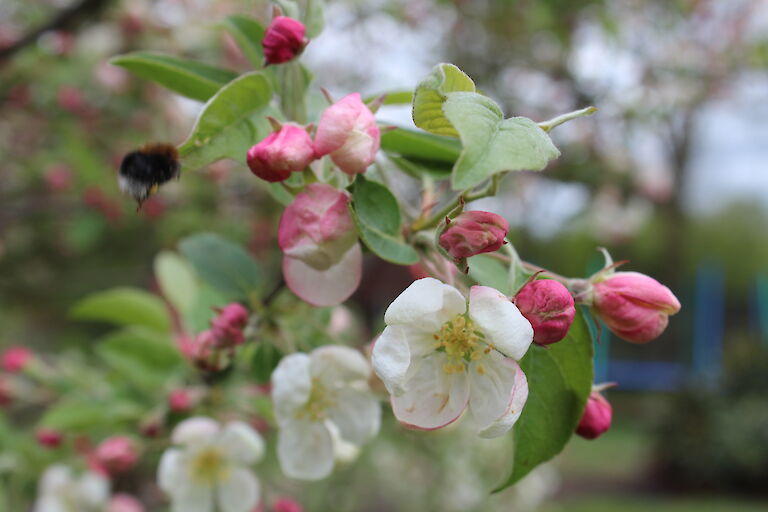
[144,170]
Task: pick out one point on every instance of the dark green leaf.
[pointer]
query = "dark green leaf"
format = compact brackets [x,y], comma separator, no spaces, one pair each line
[230,122]
[416,145]
[420,168]
[226,266]
[559,381]
[124,306]
[265,359]
[377,216]
[189,78]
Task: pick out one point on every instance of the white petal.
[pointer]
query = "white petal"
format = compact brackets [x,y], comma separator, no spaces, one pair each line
[192,497]
[336,364]
[391,357]
[328,287]
[497,395]
[240,492]
[241,443]
[433,398]
[500,320]
[94,489]
[54,478]
[50,503]
[305,449]
[170,471]
[343,451]
[196,430]
[357,415]
[426,305]
[291,384]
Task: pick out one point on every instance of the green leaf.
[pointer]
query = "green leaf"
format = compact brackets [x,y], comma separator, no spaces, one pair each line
[264,361]
[177,280]
[230,122]
[377,216]
[124,306]
[144,357]
[392,98]
[202,313]
[290,8]
[226,266]
[421,168]
[314,17]
[493,144]
[487,271]
[189,78]
[559,382]
[416,145]
[248,34]
[75,415]
[432,92]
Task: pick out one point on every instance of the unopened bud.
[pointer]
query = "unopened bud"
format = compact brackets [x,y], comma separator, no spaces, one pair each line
[283,40]
[15,359]
[180,400]
[287,150]
[596,418]
[474,232]
[283,504]
[634,306]
[207,355]
[228,325]
[122,502]
[48,437]
[549,307]
[348,132]
[117,454]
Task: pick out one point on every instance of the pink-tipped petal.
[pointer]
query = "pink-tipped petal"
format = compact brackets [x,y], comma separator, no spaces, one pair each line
[323,288]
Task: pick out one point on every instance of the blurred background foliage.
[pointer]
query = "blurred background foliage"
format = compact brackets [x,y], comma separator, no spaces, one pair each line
[669,174]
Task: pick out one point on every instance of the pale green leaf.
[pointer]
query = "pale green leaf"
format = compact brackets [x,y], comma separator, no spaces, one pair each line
[124,306]
[230,122]
[493,144]
[189,78]
[432,92]
[177,280]
[314,17]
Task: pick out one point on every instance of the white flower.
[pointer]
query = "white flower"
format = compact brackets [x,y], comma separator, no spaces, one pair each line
[209,471]
[60,491]
[322,404]
[438,359]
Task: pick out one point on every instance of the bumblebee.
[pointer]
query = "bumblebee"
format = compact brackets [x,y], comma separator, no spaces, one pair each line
[144,170]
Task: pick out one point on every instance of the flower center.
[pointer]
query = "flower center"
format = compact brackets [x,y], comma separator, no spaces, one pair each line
[460,342]
[209,465]
[320,399]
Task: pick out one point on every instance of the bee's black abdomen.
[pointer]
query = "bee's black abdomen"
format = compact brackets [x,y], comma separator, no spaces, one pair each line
[148,167]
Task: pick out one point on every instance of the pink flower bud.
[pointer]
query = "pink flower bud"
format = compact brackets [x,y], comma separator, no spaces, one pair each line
[122,502]
[180,400]
[58,178]
[207,355]
[283,504]
[117,454]
[285,151]
[596,418]
[49,437]
[15,359]
[634,306]
[549,307]
[283,40]
[316,227]
[228,325]
[472,233]
[348,132]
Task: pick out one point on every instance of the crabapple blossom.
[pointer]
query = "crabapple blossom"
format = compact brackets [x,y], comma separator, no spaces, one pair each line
[322,260]
[322,404]
[208,470]
[634,306]
[283,40]
[60,491]
[437,357]
[281,153]
[473,232]
[348,132]
[549,306]
[596,419]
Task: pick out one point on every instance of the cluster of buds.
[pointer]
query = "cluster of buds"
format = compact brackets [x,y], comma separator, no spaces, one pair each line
[212,350]
[347,131]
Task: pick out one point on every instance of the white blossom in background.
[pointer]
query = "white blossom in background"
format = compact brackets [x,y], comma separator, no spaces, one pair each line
[324,410]
[209,470]
[438,357]
[59,490]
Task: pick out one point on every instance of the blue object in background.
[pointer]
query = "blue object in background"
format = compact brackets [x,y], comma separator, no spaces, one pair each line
[708,324]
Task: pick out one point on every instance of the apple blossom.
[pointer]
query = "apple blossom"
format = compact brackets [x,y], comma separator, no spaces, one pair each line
[283,40]
[634,306]
[322,260]
[596,419]
[15,359]
[318,397]
[438,357]
[209,469]
[473,232]
[60,491]
[348,132]
[549,306]
[287,150]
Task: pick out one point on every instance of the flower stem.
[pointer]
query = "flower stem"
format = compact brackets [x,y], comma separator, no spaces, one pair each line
[466,196]
[557,121]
